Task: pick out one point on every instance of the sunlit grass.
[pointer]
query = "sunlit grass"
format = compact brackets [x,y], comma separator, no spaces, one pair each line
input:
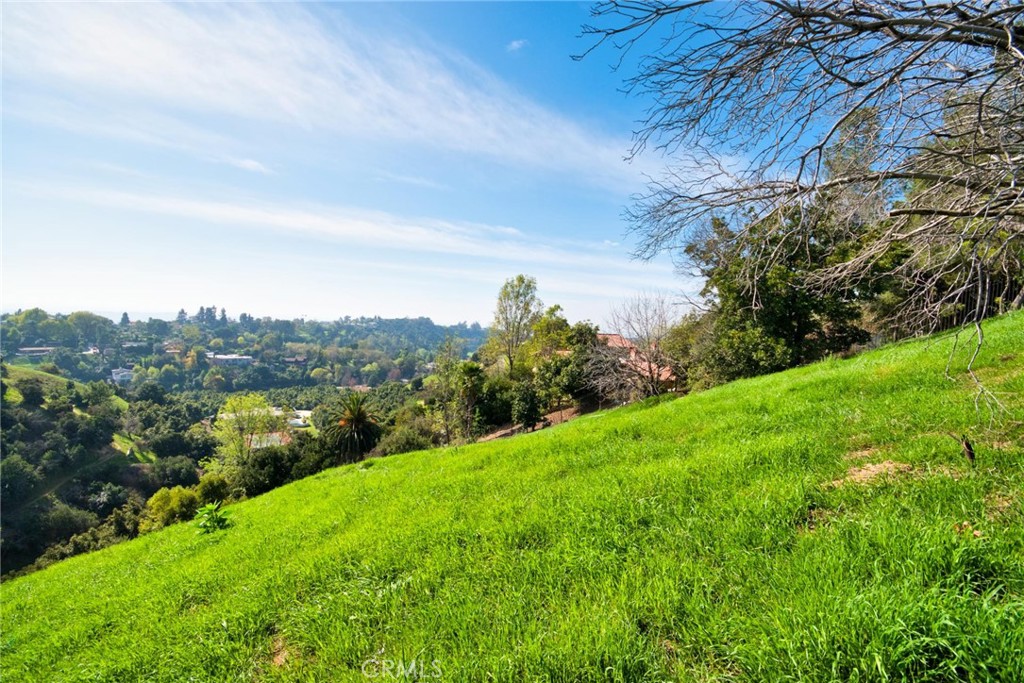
[126,444]
[50,382]
[692,539]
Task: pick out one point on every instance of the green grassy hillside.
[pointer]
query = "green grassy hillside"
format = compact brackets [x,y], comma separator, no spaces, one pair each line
[735,534]
[122,443]
[51,382]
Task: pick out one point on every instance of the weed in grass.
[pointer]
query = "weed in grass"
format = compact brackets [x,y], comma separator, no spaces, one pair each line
[211,517]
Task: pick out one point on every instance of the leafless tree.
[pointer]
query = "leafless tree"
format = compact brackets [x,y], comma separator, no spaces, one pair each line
[751,98]
[630,362]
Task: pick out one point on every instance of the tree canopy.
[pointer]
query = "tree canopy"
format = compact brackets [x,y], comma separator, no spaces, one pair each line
[769,107]
[518,309]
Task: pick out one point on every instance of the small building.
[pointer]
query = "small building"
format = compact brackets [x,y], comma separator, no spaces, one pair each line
[35,351]
[121,376]
[229,359]
[258,441]
[639,361]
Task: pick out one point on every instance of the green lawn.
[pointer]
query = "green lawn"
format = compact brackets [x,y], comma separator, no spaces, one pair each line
[700,538]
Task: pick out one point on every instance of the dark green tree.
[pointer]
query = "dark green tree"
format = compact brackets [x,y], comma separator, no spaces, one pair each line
[526,405]
[31,390]
[766,318]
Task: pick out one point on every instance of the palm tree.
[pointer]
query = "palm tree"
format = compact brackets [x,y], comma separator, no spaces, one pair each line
[352,427]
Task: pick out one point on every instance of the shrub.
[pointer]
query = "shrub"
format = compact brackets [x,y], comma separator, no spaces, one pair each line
[402,440]
[31,390]
[62,521]
[168,506]
[105,497]
[18,479]
[265,469]
[213,488]
[526,408]
[495,402]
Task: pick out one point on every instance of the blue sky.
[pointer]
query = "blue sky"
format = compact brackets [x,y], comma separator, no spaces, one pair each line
[393,159]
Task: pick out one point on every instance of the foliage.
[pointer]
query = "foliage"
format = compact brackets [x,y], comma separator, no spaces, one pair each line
[18,480]
[212,488]
[264,469]
[62,521]
[53,483]
[352,428]
[314,455]
[904,121]
[170,505]
[243,419]
[402,440]
[517,311]
[175,471]
[287,354]
[734,352]
[494,407]
[211,517]
[526,405]
[120,526]
[31,390]
[776,301]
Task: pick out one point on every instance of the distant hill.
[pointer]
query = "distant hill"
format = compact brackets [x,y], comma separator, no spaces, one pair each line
[819,524]
[210,351]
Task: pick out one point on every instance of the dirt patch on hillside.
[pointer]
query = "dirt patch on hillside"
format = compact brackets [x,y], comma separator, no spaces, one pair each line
[816,519]
[862,454]
[549,420]
[560,416]
[868,473]
[279,653]
[998,504]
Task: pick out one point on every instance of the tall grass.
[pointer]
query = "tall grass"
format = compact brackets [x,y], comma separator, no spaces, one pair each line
[692,539]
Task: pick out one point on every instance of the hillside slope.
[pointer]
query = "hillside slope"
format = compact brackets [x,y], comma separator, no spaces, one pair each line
[735,534]
[52,382]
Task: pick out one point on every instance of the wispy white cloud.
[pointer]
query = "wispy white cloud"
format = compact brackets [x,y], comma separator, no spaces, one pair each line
[284,65]
[250,165]
[517,45]
[90,115]
[592,263]
[411,180]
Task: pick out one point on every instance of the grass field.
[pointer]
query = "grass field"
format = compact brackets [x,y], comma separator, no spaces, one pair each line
[733,534]
[50,383]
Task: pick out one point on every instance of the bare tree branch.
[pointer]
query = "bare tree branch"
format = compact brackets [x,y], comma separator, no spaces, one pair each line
[630,362]
[750,97]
